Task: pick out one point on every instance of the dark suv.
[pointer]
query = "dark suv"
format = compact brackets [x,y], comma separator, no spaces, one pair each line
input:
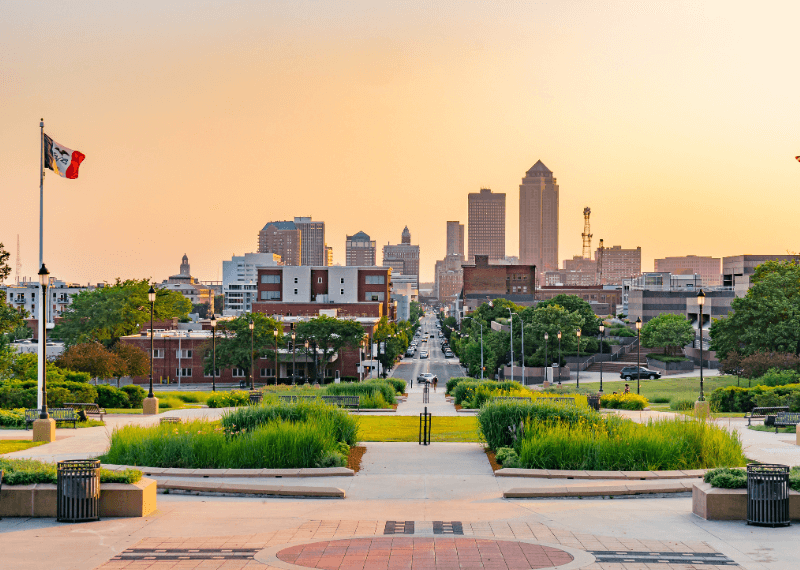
[629,373]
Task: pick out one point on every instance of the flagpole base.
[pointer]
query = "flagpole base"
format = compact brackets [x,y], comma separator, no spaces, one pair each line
[44,430]
[150,406]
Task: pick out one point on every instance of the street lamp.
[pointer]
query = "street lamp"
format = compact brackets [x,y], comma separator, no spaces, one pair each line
[151,296]
[559,356]
[546,338]
[602,328]
[276,356]
[213,352]
[480,324]
[294,360]
[578,364]
[638,353]
[511,339]
[522,358]
[44,276]
[701,300]
[306,362]
[251,325]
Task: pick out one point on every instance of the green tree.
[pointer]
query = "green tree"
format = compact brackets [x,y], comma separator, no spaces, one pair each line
[233,342]
[5,270]
[669,331]
[550,319]
[131,361]
[573,303]
[108,313]
[767,318]
[92,358]
[329,335]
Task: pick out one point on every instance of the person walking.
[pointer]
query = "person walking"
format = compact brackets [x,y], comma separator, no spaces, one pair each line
[627,389]
[435,381]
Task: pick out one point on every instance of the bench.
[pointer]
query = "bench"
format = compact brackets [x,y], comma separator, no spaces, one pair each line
[512,398]
[93,409]
[169,420]
[256,397]
[343,401]
[785,419]
[58,414]
[761,413]
[561,400]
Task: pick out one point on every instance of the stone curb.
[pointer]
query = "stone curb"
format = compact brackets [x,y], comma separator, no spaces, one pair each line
[278,473]
[373,410]
[620,475]
[252,489]
[648,488]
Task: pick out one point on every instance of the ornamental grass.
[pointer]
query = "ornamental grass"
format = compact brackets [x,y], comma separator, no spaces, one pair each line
[30,471]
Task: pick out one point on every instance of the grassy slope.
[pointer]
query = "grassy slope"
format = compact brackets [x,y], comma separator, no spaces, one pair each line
[11,445]
[406,428]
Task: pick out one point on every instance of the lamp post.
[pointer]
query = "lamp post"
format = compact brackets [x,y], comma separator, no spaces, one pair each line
[701,300]
[578,364]
[150,404]
[546,338]
[602,335]
[480,324]
[44,428]
[306,362]
[511,339]
[522,358]
[252,327]
[559,356]
[276,356]
[213,353]
[638,353]
[294,361]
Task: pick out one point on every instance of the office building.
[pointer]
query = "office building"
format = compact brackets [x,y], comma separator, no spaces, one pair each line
[652,294]
[709,268]
[24,295]
[486,224]
[615,264]
[603,300]
[360,250]
[484,282]
[240,280]
[281,238]
[538,218]
[328,255]
[403,258]
[455,239]
[312,236]
[737,269]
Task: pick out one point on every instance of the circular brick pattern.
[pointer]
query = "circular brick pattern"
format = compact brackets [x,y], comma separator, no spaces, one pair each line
[407,553]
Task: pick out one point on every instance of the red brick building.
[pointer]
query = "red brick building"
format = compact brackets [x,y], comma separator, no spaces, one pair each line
[482,281]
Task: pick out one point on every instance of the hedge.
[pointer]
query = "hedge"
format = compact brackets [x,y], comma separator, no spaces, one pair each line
[738,399]
[726,478]
[30,471]
[623,401]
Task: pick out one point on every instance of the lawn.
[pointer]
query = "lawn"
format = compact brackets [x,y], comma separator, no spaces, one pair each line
[11,445]
[771,429]
[406,428]
[666,387]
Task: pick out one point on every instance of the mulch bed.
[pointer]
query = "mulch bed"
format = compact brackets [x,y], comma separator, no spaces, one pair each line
[354,458]
[490,456]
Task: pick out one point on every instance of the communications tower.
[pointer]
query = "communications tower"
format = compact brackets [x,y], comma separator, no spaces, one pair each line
[586,235]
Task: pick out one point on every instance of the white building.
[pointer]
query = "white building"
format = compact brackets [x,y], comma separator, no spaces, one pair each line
[404,290]
[25,294]
[240,280]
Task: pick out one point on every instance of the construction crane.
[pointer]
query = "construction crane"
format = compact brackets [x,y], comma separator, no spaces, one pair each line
[586,235]
[19,261]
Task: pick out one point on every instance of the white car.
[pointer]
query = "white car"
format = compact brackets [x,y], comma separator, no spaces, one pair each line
[423,354]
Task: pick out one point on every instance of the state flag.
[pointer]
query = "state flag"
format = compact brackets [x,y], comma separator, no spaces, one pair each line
[60,159]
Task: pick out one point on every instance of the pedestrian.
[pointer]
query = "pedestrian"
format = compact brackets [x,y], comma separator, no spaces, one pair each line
[435,381]
[627,389]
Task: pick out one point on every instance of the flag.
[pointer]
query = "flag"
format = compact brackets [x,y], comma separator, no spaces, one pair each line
[798,158]
[61,160]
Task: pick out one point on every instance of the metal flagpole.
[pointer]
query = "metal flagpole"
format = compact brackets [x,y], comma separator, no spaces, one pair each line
[42,301]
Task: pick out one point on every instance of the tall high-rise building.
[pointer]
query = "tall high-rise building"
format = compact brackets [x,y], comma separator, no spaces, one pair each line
[487,224]
[538,218]
[328,255]
[403,258]
[455,238]
[283,238]
[312,235]
[360,250]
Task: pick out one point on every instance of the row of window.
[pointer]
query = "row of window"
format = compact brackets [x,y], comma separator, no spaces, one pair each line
[368,279]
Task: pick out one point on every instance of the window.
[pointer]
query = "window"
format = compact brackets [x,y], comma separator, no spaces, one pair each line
[341,280]
[238,373]
[266,372]
[374,280]
[270,278]
[158,353]
[267,295]
[295,280]
[295,291]
[373,296]
[207,375]
[184,353]
[319,280]
[341,291]
[183,372]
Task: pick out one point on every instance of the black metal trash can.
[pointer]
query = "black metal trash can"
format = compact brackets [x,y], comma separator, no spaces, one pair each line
[768,495]
[594,401]
[256,396]
[78,497]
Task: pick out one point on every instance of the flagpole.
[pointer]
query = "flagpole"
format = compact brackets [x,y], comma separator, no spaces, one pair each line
[42,300]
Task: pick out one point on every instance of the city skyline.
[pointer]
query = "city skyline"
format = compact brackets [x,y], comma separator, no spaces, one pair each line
[678,129]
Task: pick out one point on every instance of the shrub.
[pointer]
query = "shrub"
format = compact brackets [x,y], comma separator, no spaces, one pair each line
[231,399]
[620,331]
[465,390]
[727,478]
[507,457]
[111,397]
[736,399]
[79,392]
[681,405]
[623,401]
[758,364]
[667,358]
[374,393]
[57,396]
[660,399]
[12,418]
[136,395]
[453,382]
[14,395]
[775,377]
[169,403]
[29,472]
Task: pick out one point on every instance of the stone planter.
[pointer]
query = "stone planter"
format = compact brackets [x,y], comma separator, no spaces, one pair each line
[684,365]
[116,500]
[714,504]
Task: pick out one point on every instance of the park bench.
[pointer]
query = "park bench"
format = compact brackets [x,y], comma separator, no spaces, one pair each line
[169,420]
[62,415]
[343,401]
[785,419]
[92,408]
[761,413]
[512,399]
[562,400]
[256,397]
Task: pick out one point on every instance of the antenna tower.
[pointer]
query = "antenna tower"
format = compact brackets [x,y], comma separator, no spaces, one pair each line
[600,263]
[587,235]
[19,261]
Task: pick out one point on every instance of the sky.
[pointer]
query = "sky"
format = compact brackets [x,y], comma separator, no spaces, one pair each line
[676,122]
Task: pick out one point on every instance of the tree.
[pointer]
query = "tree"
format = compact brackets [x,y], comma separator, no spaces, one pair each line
[131,361]
[767,318]
[108,313]
[93,358]
[669,331]
[328,335]
[233,342]
[551,318]
[573,303]
[5,270]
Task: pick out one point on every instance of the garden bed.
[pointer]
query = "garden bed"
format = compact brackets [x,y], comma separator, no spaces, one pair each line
[716,504]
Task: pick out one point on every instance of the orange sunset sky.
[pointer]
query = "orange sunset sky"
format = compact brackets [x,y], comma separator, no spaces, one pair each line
[676,122]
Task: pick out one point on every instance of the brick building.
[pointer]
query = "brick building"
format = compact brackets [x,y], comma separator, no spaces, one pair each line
[312,235]
[282,238]
[403,258]
[604,300]
[737,269]
[483,282]
[709,268]
[360,250]
[614,264]
[486,222]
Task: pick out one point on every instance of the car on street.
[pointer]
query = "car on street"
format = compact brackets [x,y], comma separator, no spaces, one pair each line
[410,352]
[426,377]
[629,373]
[448,353]
[423,354]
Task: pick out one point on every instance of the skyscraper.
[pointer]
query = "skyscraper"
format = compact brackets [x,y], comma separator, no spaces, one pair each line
[360,250]
[455,239]
[312,235]
[487,224]
[403,258]
[538,218]
[282,238]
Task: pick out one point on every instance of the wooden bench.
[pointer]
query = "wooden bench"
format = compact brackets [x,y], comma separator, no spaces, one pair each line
[785,419]
[761,413]
[58,414]
[92,409]
[343,401]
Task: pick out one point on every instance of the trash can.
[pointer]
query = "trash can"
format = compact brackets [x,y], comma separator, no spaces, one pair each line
[78,496]
[594,401]
[256,396]
[767,495]
[1,484]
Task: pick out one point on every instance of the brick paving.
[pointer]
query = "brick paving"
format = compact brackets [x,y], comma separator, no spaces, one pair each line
[349,545]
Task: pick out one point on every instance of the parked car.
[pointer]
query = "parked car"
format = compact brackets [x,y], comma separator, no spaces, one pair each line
[423,354]
[410,352]
[629,373]
[448,353]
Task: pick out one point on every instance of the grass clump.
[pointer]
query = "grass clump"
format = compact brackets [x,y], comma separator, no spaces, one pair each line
[12,418]
[30,471]
[231,399]
[623,401]
[376,393]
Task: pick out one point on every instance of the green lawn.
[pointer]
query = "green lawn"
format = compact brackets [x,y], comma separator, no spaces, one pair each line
[771,429]
[672,388]
[11,445]
[406,428]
